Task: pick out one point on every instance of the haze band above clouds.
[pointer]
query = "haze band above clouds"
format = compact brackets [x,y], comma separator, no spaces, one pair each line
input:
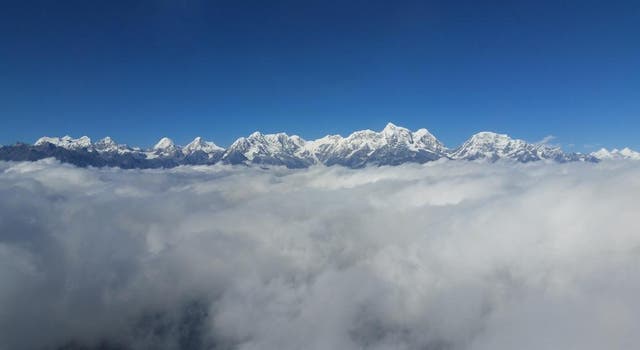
[445,255]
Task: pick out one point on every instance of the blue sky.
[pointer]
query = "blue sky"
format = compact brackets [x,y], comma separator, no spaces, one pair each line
[139,70]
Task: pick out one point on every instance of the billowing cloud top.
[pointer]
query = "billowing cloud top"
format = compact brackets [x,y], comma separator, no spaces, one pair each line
[443,255]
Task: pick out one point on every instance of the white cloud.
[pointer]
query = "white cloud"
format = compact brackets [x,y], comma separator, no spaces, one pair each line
[547,139]
[446,255]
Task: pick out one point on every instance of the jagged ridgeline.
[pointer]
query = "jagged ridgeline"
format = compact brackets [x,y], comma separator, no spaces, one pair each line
[393,145]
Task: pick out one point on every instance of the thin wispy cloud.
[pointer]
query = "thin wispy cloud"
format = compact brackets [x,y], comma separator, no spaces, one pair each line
[546,140]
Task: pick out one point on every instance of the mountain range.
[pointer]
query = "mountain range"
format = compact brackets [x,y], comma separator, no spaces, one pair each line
[393,145]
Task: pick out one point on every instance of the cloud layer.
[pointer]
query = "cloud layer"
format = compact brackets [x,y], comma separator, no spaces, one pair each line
[445,255]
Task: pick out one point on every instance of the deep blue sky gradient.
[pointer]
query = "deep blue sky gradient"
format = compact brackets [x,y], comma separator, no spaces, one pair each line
[139,70]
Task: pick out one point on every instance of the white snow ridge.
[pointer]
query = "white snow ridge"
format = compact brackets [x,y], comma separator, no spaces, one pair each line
[625,153]
[393,145]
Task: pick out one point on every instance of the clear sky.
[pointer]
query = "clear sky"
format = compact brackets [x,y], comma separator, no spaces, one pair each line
[139,70]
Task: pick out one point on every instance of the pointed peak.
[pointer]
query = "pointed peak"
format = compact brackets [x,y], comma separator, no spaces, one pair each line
[199,144]
[629,153]
[390,126]
[164,143]
[107,144]
[107,141]
[423,136]
[392,129]
[602,153]
[422,132]
[625,153]
[196,142]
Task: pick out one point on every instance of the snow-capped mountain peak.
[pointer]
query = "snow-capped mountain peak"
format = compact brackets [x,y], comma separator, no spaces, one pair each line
[625,153]
[604,153]
[494,146]
[424,139]
[165,143]
[274,149]
[629,153]
[494,139]
[323,144]
[165,148]
[66,142]
[107,141]
[391,128]
[392,145]
[109,145]
[199,144]
[393,133]
[489,145]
